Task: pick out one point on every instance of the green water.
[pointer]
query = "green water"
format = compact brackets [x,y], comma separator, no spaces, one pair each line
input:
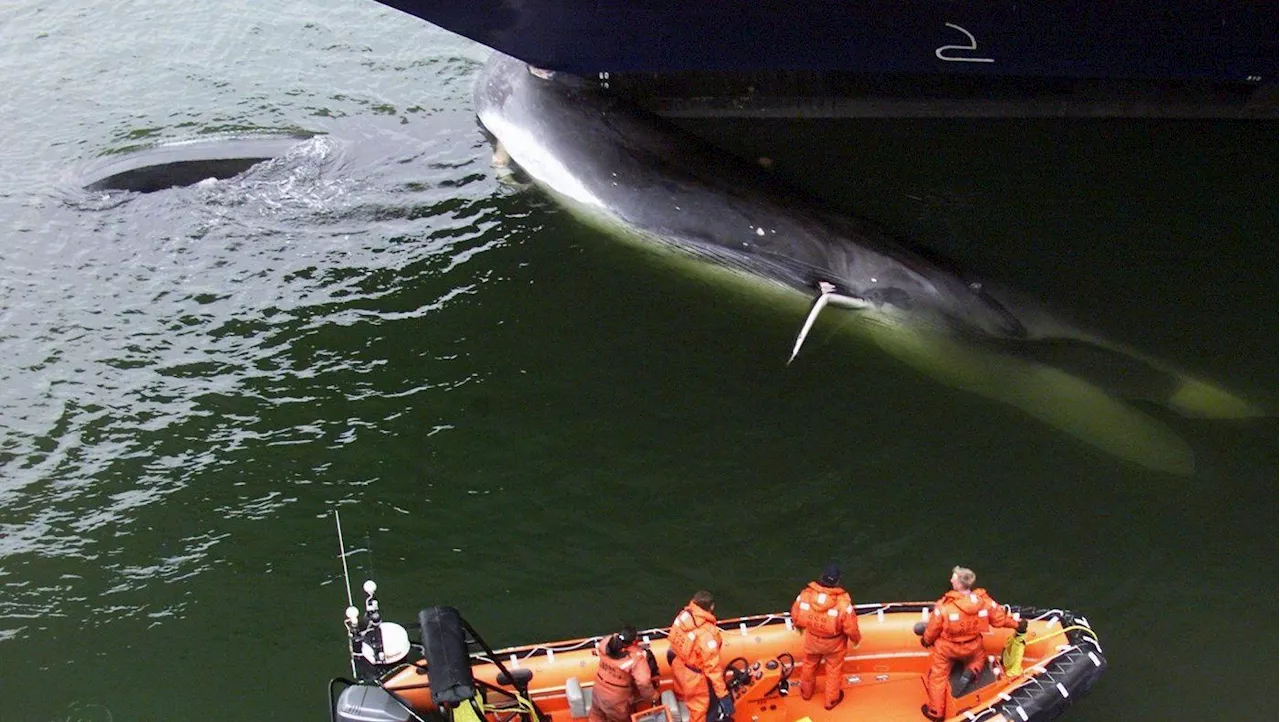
[521,418]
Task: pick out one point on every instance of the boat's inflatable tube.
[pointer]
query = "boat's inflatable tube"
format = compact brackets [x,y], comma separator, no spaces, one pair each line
[1067,676]
[881,677]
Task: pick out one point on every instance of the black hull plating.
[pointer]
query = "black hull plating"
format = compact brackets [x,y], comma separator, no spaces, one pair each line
[1232,40]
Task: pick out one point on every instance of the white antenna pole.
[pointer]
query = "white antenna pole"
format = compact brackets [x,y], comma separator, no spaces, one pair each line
[342,552]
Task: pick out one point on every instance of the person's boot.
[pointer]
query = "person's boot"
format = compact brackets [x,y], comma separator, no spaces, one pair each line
[924,710]
[966,679]
[832,705]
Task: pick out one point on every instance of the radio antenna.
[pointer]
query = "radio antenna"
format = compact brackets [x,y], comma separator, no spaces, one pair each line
[342,552]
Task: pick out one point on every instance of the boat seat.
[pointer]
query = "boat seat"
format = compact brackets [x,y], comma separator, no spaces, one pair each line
[679,711]
[579,699]
[985,677]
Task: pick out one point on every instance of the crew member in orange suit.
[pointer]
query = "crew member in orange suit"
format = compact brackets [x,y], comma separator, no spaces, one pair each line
[824,612]
[624,675]
[954,632]
[696,668]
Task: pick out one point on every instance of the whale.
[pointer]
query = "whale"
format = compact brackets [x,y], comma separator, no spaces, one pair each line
[637,178]
[179,163]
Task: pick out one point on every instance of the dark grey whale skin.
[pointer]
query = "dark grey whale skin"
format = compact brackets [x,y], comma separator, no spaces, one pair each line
[171,165]
[670,187]
[629,171]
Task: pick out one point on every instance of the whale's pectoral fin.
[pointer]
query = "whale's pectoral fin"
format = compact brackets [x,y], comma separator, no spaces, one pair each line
[827,294]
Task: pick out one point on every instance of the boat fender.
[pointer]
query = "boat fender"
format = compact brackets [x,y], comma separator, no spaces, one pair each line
[444,644]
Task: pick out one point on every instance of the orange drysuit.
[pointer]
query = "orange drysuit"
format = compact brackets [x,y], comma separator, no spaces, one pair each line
[829,622]
[695,642]
[954,632]
[619,681]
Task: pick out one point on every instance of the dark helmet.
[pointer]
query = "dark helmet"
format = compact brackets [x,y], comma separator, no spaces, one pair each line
[830,575]
[624,638]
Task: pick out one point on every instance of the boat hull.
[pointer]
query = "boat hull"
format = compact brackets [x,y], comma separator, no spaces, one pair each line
[882,678]
[1235,40]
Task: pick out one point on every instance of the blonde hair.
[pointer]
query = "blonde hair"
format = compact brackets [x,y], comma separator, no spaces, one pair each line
[964,576]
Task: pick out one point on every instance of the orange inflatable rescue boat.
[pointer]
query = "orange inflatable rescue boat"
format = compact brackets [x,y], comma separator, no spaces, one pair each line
[450,674]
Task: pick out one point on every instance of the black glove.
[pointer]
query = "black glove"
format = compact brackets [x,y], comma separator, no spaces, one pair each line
[726,706]
[924,644]
[1022,626]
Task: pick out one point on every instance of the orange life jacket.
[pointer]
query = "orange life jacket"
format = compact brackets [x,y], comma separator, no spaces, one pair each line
[619,671]
[695,639]
[965,615]
[824,611]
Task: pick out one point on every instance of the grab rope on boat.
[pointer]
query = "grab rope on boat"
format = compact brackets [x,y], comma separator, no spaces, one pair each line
[1074,628]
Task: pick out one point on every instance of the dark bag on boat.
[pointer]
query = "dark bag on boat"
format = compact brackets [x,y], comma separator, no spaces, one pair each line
[444,642]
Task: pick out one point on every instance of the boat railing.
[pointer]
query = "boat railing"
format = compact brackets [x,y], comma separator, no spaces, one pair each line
[529,651]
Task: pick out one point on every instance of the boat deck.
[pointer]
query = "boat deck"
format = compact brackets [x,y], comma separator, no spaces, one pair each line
[882,679]
[893,700]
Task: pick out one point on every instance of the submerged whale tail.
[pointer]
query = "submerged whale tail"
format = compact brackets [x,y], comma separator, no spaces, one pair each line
[1150,379]
[1061,399]
[1201,399]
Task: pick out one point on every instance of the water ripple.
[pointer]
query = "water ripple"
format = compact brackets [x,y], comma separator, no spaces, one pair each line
[158,343]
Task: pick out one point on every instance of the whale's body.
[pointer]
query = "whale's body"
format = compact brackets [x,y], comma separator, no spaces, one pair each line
[622,165]
[627,172]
